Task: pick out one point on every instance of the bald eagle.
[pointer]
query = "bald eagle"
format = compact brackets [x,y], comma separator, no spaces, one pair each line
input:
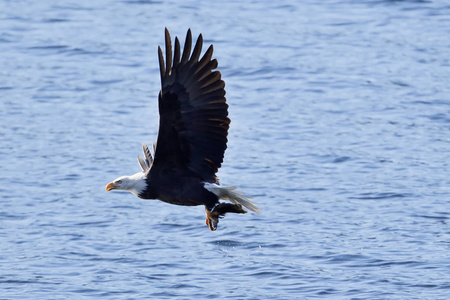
[192,137]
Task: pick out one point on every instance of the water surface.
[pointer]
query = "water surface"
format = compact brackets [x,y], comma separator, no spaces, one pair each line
[340,131]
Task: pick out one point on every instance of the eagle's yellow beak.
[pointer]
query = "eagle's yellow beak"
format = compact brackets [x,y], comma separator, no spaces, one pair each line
[110,186]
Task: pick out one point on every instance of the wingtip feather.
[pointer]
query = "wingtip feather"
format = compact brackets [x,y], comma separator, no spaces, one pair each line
[168,52]
[162,68]
[187,47]
[197,49]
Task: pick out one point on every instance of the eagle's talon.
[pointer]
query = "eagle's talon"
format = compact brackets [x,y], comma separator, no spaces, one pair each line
[212,219]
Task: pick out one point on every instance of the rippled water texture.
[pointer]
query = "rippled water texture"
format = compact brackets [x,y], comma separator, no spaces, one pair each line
[340,131]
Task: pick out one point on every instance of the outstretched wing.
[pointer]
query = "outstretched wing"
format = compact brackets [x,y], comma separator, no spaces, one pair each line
[193,124]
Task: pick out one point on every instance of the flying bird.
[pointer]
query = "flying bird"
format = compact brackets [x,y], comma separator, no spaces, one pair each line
[192,137]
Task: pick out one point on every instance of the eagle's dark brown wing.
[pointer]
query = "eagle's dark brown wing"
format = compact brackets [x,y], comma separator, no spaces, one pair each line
[194,121]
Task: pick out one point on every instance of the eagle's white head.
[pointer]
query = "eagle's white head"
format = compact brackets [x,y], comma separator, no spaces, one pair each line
[135,184]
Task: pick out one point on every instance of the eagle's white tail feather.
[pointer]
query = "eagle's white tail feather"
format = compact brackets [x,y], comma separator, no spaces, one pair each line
[229,193]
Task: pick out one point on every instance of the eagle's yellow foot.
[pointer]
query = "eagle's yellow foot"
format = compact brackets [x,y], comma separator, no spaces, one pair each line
[212,219]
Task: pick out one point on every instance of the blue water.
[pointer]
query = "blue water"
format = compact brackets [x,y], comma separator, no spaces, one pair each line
[340,131]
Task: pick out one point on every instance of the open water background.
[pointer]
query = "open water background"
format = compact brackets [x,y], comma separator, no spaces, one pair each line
[340,131]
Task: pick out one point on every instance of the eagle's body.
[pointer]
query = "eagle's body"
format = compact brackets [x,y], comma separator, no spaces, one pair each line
[192,137]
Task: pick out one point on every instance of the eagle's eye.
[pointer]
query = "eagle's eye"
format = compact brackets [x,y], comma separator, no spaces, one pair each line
[119,181]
